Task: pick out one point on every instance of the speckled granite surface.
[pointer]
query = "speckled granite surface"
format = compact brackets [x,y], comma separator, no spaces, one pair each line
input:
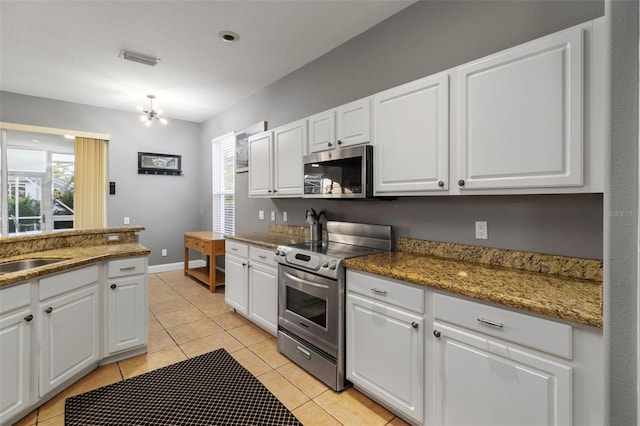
[276,236]
[588,269]
[77,248]
[567,298]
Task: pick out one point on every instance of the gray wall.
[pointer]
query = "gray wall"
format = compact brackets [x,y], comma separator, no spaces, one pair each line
[166,206]
[423,39]
[621,220]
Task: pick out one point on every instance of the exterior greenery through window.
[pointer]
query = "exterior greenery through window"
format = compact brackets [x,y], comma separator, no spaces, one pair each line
[223,174]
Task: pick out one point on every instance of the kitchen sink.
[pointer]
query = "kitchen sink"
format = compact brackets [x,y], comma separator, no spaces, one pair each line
[21,265]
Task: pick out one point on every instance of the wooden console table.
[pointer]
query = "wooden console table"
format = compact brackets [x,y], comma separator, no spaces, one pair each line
[211,244]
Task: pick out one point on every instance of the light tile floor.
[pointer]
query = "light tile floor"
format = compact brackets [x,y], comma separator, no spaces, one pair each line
[186,320]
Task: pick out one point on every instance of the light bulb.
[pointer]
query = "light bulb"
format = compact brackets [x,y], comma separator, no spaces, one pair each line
[163,120]
[147,123]
[143,117]
[139,108]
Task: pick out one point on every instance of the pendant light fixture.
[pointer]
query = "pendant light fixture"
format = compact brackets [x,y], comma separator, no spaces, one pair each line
[151,114]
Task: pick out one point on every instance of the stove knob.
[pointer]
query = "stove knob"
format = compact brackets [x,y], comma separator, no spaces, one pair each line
[325,264]
[333,266]
[277,253]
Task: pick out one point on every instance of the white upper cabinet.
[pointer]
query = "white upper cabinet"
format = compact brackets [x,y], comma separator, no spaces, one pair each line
[260,165]
[520,116]
[347,125]
[275,161]
[289,146]
[411,123]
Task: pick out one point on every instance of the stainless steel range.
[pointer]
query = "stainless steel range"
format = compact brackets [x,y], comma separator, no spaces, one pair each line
[311,297]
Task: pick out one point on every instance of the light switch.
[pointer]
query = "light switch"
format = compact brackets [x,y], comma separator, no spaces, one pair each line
[126,220]
[261,214]
[273,216]
[285,216]
[482,232]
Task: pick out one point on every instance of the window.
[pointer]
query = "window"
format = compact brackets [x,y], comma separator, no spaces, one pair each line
[223,174]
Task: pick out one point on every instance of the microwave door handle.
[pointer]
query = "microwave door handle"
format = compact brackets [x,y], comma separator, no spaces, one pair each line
[304,282]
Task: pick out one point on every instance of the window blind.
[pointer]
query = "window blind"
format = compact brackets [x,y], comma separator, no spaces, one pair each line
[223,173]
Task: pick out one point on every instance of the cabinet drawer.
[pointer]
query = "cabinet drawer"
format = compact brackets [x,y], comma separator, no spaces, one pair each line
[197,244]
[538,333]
[125,267]
[387,291]
[261,255]
[15,297]
[67,281]
[237,249]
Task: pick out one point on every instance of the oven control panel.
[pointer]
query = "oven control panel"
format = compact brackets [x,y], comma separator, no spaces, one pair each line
[324,265]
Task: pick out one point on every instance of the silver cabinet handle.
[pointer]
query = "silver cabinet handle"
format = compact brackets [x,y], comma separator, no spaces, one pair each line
[461,182]
[437,333]
[377,291]
[233,248]
[128,268]
[113,286]
[304,352]
[441,184]
[490,323]
[262,257]
[415,325]
[28,318]
[48,310]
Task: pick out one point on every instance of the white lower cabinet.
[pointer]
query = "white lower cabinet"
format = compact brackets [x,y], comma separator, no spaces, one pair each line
[236,276]
[385,342]
[69,332]
[16,319]
[263,289]
[52,329]
[251,284]
[125,305]
[483,378]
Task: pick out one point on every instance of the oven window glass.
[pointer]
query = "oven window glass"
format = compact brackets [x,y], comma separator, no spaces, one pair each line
[308,306]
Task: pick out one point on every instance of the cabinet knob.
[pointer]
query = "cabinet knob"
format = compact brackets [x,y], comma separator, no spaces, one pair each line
[275,190]
[28,318]
[339,142]
[461,182]
[48,310]
[415,325]
[329,144]
[244,264]
[437,333]
[113,286]
[441,183]
[269,191]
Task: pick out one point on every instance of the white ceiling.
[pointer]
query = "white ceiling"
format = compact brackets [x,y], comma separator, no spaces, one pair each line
[68,50]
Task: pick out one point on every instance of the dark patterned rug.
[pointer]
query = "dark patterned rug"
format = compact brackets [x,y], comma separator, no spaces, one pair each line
[210,389]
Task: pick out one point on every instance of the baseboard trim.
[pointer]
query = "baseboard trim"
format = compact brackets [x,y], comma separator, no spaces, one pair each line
[177,266]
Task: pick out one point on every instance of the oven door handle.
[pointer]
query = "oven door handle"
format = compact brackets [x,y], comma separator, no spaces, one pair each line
[304,352]
[304,282]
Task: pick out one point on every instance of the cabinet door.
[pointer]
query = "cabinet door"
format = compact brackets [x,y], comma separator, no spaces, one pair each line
[385,354]
[15,367]
[354,123]
[263,296]
[236,280]
[482,381]
[260,165]
[126,313]
[412,138]
[322,131]
[521,116]
[289,146]
[69,335]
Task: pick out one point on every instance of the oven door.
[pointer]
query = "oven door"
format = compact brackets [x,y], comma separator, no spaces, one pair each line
[308,307]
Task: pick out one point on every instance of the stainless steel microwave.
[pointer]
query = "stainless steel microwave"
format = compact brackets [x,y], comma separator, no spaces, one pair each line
[339,173]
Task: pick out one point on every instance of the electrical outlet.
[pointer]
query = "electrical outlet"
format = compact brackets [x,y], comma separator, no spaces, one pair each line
[164,252]
[126,220]
[261,214]
[273,216]
[285,217]
[482,232]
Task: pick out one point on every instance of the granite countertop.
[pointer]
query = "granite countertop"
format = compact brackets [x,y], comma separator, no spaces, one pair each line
[567,298]
[75,256]
[276,236]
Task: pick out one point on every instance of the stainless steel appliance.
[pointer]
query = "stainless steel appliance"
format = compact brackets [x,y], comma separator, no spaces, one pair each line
[311,297]
[339,173]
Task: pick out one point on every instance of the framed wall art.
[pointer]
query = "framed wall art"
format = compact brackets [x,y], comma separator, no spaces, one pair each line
[159,164]
[242,145]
